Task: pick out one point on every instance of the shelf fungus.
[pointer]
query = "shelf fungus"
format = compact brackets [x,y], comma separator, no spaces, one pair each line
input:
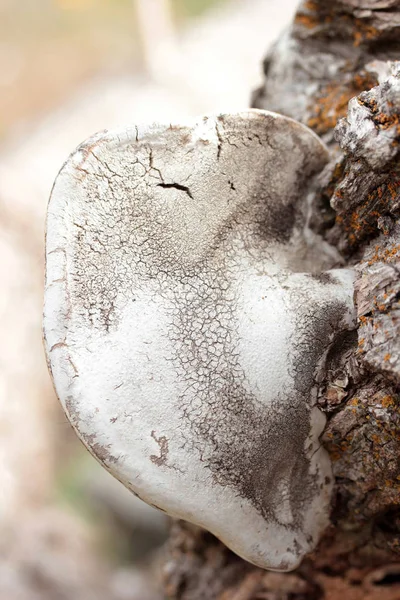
[188,312]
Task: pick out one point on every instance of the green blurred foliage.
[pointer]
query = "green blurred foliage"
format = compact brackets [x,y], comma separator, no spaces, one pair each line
[193,8]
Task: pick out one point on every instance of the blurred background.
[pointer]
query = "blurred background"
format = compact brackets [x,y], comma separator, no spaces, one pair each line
[68,68]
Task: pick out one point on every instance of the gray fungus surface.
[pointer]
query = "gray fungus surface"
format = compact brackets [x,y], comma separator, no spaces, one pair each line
[188,313]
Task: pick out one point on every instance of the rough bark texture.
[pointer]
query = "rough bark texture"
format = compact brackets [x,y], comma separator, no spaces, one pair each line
[334,53]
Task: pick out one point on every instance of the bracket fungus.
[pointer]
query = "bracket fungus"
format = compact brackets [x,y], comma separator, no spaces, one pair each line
[188,312]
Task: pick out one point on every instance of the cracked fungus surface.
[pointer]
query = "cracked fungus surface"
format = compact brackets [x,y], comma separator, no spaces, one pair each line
[202,225]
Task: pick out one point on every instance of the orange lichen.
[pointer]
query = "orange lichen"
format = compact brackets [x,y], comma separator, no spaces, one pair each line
[333,99]
[387,121]
[381,119]
[387,357]
[311,5]
[364,32]
[307,21]
[361,222]
[364,320]
[392,187]
[385,255]
[311,16]
[387,402]
[335,456]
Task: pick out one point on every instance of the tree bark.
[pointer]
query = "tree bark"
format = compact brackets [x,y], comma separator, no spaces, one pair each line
[333,71]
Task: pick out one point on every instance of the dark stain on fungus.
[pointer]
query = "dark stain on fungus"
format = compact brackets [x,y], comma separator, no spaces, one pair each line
[256,451]
[100,451]
[162,441]
[326,278]
[103,453]
[72,413]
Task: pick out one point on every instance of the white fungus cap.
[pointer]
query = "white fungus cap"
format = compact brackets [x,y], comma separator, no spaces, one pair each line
[183,331]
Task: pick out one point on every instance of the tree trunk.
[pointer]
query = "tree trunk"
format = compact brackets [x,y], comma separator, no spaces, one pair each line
[336,52]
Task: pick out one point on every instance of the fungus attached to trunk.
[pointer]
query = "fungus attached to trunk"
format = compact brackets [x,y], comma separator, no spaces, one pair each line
[187,317]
